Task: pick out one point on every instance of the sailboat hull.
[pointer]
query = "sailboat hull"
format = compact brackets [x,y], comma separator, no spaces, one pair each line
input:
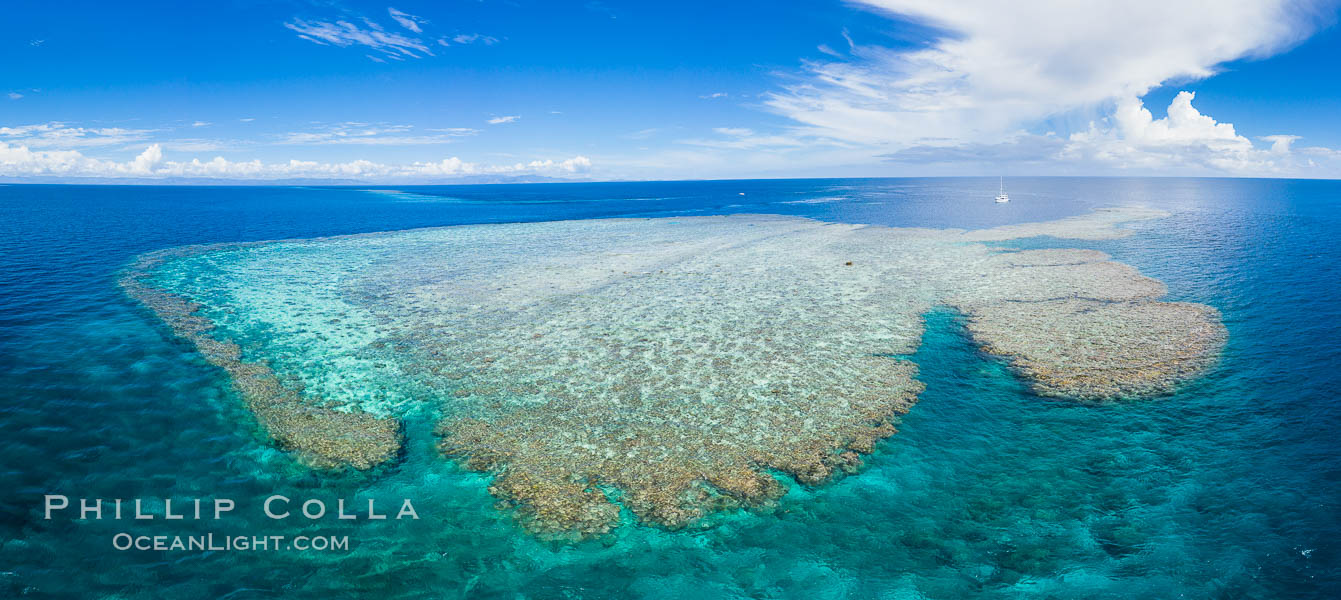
[1001,191]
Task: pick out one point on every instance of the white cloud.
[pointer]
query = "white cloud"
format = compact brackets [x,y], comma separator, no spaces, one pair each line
[59,135]
[998,70]
[407,20]
[15,95]
[1131,140]
[827,50]
[1184,125]
[733,131]
[375,135]
[247,120]
[1280,144]
[21,161]
[470,38]
[344,33]
[455,131]
[456,167]
[147,160]
[506,119]
[200,145]
[643,134]
[713,95]
[201,124]
[1185,137]
[413,42]
[741,138]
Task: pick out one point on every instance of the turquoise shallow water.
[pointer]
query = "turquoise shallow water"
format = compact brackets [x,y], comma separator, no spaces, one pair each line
[1225,489]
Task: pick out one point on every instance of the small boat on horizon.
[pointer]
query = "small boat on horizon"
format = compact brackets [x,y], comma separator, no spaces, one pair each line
[1001,194]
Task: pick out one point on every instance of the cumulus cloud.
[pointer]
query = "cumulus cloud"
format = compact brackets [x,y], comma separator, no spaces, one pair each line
[506,119]
[1280,144]
[455,167]
[1184,137]
[14,95]
[21,161]
[1183,125]
[997,70]
[1132,140]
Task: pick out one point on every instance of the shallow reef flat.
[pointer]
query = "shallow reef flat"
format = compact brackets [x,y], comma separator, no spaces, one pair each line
[671,366]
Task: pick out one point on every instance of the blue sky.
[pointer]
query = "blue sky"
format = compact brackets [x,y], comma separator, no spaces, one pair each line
[420,92]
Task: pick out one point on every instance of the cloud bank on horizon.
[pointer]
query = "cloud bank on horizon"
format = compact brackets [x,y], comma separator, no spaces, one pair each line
[1033,87]
[151,163]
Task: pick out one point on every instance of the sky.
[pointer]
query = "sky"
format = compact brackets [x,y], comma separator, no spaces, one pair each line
[485,90]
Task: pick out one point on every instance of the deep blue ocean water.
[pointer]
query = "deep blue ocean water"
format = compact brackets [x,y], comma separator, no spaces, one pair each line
[1230,488]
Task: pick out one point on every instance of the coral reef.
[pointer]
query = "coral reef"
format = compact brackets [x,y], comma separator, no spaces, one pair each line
[325,438]
[670,367]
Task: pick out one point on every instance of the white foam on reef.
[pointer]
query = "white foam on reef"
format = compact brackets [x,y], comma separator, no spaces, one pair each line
[668,365]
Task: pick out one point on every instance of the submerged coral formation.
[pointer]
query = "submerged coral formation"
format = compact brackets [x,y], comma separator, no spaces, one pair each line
[665,366]
[325,437]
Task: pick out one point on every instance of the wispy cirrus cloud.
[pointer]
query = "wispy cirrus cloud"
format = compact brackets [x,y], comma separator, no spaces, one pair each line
[743,138]
[642,134]
[202,145]
[470,38]
[412,41]
[504,119]
[407,20]
[60,135]
[345,33]
[376,135]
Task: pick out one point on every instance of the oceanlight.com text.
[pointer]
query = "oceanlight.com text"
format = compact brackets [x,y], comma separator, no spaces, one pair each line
[230,543]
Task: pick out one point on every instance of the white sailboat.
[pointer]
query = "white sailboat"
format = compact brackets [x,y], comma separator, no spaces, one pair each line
[1001,195]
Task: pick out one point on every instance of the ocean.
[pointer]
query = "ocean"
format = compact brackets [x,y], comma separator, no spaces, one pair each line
[1227,488]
